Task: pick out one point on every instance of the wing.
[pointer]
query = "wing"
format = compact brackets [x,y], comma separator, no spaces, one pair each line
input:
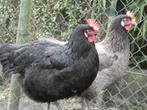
[56,57]
[42,53]
[45,54]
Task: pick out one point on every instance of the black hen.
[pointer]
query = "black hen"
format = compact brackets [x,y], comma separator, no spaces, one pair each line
[50,71]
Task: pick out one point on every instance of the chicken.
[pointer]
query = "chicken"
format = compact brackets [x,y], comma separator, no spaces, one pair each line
[113,57]
[50,71]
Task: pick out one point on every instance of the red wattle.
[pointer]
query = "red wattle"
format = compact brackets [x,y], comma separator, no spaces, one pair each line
[92,38]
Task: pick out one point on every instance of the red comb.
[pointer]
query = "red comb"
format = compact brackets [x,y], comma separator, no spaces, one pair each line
[93,23]
[131,14]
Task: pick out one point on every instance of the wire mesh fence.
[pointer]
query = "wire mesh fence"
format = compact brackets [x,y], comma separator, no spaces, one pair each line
[57,18]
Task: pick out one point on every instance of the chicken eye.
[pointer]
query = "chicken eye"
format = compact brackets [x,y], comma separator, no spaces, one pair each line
[126,20]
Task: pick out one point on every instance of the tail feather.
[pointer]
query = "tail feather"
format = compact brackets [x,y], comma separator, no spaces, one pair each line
[6,48]
[13,58]
[5,53]
[3,57]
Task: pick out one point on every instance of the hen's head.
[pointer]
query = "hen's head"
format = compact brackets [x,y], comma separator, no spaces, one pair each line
[127,21]
[91,34]
[87,31]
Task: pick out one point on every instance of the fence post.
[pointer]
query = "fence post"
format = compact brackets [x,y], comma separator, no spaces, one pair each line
[22,37]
